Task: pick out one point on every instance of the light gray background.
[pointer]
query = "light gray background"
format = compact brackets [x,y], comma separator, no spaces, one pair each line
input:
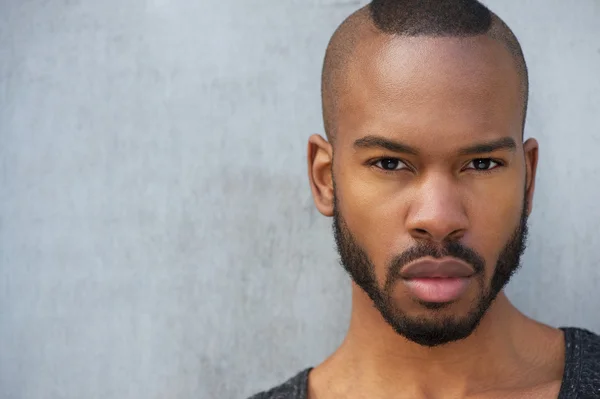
[157,234]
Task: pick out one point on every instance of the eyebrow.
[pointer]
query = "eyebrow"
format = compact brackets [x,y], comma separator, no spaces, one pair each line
[371,141]
[505,143]
[381,142]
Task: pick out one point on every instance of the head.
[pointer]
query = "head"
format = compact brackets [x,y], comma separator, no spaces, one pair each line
[424,104]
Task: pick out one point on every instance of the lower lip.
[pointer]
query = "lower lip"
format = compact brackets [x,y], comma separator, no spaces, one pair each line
[438,290]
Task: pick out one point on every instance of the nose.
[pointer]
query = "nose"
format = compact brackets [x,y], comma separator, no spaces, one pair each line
[437,211]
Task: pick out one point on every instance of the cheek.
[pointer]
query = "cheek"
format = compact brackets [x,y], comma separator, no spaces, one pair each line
[371,213]
[494,220]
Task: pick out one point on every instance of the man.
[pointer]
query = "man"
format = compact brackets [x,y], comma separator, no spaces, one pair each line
[430,184]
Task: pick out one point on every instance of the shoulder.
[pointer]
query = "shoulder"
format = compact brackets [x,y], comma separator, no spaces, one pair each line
[584,362]
[294,388]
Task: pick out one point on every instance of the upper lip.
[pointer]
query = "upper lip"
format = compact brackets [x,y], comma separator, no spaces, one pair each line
[432,268]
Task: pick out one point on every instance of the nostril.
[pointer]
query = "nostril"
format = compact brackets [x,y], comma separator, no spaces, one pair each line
[456,235]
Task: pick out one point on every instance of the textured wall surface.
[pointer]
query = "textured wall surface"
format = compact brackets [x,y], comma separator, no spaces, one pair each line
[157,234]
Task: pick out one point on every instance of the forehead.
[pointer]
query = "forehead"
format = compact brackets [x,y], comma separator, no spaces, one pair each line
[430,91]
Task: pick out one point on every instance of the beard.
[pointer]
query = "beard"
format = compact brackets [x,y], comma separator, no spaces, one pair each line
[440,329]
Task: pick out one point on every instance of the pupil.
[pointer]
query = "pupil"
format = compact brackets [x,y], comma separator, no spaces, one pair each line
[390,164]
[482,164]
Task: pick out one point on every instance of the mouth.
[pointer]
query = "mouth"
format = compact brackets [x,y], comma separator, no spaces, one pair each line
[437,281]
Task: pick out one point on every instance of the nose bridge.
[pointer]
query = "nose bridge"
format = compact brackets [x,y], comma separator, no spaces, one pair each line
[437,211]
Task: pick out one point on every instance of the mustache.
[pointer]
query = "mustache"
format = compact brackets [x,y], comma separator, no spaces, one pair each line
[452,249]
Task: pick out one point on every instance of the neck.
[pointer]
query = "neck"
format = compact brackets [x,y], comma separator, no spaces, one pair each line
[375,358]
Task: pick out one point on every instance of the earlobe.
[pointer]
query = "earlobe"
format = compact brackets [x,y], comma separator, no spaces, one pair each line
[531,150]
[319,158]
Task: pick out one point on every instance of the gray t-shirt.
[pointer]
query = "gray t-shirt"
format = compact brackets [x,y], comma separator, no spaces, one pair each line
[581,379]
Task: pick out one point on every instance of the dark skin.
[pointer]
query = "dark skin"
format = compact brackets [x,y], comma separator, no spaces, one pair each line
[444,104]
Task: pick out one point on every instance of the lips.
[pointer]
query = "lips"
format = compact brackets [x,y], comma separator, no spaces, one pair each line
[437,281]
[430,268]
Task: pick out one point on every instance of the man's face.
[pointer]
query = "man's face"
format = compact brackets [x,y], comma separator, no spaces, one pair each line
[443,327]
[429,165]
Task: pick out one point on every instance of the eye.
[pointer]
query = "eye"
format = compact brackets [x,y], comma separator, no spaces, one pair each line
[483,164]
[390,164]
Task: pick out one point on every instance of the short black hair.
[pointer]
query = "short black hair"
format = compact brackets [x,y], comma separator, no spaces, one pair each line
[431,17]
[411,18]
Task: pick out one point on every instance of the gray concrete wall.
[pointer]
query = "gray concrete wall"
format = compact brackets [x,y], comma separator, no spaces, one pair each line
[157,234]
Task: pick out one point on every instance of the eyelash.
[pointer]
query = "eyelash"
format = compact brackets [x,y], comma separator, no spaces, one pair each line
[374,162]
[496,161]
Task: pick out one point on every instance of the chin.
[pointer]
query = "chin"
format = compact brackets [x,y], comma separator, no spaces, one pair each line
[431,323]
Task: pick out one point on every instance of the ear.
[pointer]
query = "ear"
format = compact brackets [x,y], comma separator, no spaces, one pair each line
[320,158]
[530,148]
